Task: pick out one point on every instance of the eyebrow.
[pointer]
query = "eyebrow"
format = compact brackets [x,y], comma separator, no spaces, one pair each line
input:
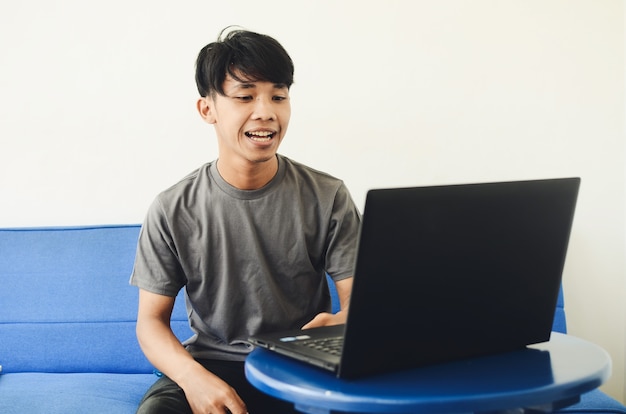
[251,85]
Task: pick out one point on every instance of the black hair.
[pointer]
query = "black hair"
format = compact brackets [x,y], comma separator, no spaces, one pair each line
[245,56]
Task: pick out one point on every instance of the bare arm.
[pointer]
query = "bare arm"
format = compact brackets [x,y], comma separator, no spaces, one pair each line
[204,391]
[344,290]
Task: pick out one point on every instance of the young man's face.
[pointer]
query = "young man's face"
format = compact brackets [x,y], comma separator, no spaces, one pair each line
[250,120]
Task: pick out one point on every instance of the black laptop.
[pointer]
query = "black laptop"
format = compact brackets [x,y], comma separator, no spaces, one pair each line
[445,273]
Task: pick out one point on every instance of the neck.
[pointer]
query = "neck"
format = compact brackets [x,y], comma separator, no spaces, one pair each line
[249,176]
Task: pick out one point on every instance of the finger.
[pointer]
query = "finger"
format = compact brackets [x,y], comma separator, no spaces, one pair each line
[319,320]
[236,406]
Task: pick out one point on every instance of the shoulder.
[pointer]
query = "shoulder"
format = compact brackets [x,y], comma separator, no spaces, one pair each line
[305,174]
[188,184]
[182,199]
[315,186]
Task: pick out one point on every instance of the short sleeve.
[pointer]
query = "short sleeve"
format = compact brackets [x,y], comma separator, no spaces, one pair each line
[343,236]
[157,266]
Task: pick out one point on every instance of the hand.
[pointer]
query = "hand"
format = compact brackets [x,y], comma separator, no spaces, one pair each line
[327,319]
[207,393]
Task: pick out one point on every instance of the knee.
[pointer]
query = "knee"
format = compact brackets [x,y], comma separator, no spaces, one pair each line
[165,397]
[163,406]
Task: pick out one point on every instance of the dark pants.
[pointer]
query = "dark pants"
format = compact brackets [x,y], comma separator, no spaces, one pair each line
[166,397]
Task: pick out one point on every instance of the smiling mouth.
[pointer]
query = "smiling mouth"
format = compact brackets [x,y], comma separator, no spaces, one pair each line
[261,136]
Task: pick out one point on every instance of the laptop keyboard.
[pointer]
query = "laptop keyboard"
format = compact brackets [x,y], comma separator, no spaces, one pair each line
[329,345]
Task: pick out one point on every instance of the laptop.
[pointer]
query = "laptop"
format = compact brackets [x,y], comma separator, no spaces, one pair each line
[445,273]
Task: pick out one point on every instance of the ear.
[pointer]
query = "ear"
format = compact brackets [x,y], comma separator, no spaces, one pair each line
[205,106]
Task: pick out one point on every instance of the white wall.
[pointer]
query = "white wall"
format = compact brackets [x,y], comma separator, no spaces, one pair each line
[97,110]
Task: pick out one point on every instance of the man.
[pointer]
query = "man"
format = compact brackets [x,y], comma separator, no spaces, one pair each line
[250,237]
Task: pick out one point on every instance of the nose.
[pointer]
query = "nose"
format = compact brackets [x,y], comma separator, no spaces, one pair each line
[263,109]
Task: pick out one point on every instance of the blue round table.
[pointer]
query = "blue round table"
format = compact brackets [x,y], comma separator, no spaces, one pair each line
[544,377]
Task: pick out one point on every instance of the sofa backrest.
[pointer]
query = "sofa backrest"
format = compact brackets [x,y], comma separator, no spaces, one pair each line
[560,322]
[66,304]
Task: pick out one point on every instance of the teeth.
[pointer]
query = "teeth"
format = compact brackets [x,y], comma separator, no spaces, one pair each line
[260,133]
[261,136]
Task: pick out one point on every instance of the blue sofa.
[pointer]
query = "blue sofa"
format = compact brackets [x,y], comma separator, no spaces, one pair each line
[67,321]
[67,324]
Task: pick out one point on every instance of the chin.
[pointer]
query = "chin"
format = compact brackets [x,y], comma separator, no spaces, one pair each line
[261,160]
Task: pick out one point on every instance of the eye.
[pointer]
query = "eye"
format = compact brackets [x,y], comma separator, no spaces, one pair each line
[245,98]
[279,98]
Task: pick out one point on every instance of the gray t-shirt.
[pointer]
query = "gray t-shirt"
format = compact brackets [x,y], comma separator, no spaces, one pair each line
[251,261]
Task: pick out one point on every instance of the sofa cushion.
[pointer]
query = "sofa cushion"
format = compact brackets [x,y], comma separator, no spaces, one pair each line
[53,393]
[595,402]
